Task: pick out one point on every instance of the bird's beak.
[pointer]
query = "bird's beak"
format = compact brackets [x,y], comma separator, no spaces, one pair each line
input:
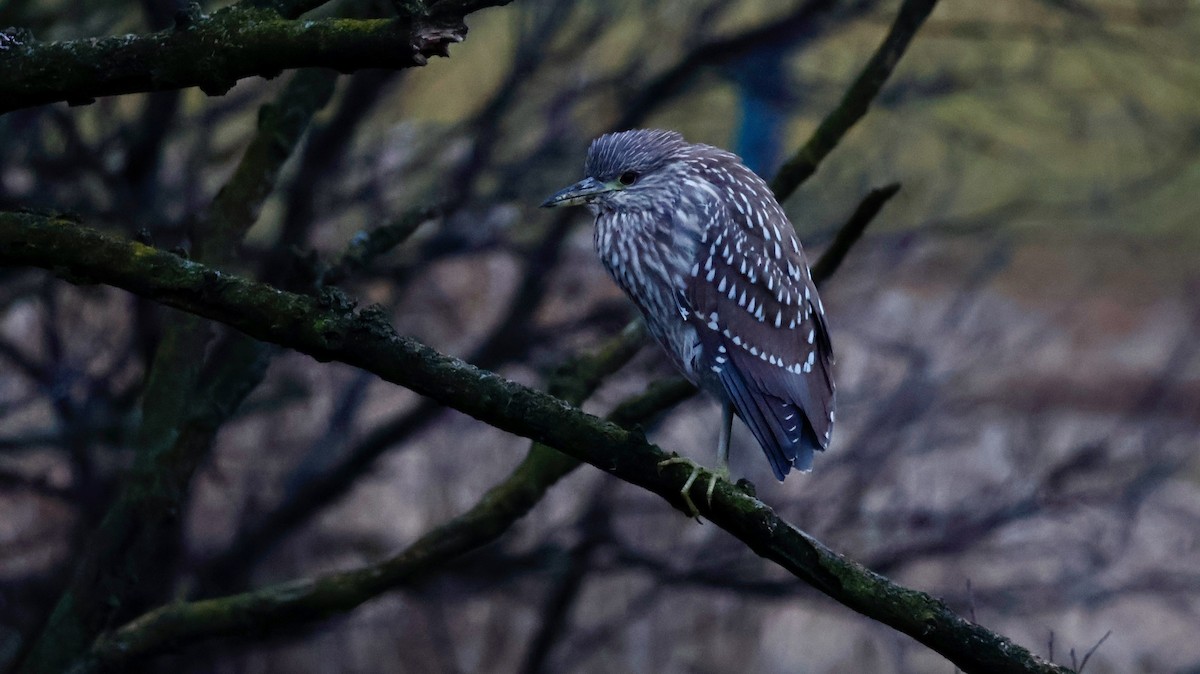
[582,192]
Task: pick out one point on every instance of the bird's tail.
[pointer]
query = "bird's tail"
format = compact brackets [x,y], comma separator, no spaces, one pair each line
[781,427]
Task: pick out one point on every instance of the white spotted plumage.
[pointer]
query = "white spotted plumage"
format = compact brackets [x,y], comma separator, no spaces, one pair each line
[709,257]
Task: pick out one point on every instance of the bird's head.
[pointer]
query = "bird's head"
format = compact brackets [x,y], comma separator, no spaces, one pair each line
[629,170]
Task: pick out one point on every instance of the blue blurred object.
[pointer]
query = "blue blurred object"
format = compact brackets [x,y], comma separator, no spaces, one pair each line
[764,97]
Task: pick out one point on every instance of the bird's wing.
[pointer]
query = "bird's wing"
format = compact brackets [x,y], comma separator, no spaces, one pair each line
[762,327]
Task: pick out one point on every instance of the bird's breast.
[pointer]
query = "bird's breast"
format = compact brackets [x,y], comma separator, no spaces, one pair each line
[650,264]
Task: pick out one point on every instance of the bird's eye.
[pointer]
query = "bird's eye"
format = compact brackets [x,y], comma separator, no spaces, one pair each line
[628,178]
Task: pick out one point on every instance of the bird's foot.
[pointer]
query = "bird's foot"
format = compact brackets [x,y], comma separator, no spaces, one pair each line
[721,473]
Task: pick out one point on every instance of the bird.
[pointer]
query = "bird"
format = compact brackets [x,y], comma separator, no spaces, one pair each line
[704,250]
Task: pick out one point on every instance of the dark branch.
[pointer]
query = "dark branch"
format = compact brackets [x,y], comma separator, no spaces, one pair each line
[281,124]
[214,52]
[328,328]
[368,245]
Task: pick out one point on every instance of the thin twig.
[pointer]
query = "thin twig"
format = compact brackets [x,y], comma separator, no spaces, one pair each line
[1088,656]
[368,245]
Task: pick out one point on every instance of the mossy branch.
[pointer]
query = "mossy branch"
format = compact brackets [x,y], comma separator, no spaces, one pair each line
[214,52]
[329,328]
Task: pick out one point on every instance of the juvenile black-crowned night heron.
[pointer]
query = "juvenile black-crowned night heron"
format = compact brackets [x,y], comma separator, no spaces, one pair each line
[702,247]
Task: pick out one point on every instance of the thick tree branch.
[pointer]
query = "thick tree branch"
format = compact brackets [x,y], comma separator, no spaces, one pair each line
[329,328]
[856,100]
[214,52]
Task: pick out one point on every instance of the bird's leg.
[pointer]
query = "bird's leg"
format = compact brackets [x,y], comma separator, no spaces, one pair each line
[722,470]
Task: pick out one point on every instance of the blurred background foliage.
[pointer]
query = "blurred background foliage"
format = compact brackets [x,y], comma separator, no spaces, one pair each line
[1019,374]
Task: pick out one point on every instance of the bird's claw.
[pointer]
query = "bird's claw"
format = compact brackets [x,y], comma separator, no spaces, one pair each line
[697,469]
